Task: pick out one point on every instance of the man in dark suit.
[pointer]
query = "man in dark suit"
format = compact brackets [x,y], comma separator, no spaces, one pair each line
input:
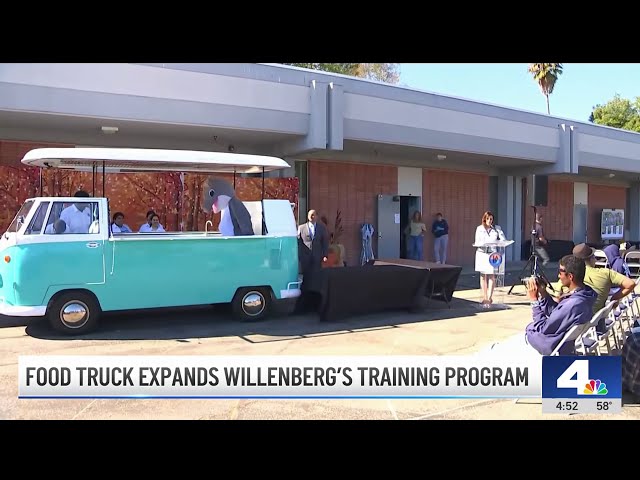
[313,248]
[314,238]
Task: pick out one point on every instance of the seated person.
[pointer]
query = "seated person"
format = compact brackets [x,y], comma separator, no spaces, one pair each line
[602,280]
[118,225]
[77,216]
[153,226]
[615,261]
[59,226]
[146,226]
[551,319]
[148,222]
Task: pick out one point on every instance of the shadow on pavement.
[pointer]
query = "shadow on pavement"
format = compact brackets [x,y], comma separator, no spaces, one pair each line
[216,321]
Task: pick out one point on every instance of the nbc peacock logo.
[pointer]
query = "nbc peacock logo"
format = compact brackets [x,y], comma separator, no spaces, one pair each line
[595,387]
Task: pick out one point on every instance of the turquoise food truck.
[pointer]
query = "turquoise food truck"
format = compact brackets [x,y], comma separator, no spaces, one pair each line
[71,276]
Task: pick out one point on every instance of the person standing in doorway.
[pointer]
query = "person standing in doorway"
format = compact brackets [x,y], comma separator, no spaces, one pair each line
[440,230]
[415,230]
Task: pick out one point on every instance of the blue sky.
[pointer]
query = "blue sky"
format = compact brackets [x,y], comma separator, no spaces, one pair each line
[578,90]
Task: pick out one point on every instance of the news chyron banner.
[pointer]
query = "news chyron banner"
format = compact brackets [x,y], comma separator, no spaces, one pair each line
[324,377]
[275,377]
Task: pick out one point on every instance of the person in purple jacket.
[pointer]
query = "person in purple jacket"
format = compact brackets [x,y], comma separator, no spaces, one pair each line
[551,319]
[616,262]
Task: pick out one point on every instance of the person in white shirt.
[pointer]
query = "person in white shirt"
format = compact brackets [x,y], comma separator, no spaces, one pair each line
[486,232]
[118,225]
[148,222]
[145,227]
[153,227]
[77,216]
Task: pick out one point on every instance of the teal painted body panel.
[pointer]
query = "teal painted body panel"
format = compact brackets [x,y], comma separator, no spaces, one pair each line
[38,269]
[193,269]
[159,271]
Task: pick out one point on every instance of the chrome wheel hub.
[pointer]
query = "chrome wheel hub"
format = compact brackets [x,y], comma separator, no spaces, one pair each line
[74,314]
[253,304]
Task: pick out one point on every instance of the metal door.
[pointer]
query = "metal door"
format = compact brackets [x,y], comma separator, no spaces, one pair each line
[580,215]
[388,226]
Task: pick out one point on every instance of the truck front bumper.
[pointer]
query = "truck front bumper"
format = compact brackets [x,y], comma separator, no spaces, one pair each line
[15,311]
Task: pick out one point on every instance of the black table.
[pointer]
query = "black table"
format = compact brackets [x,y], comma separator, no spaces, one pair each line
[343,291]
[443,278]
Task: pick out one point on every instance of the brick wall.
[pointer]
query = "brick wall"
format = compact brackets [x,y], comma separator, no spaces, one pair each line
[11,152]
[17,181]
[352,189]
[462,198]
[557,215]
[600,197]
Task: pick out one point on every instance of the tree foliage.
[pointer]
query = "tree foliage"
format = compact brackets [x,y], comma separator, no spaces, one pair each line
[618,113]
[546,75]
[383,72]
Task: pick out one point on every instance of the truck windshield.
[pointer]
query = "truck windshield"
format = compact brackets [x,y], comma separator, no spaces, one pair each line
[20,217]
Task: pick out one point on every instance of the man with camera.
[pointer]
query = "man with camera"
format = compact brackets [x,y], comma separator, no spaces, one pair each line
[551,319]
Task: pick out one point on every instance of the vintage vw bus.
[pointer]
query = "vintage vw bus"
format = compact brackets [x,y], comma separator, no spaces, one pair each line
[72,277]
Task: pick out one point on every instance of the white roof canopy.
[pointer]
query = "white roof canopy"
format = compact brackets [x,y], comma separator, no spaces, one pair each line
[131,160]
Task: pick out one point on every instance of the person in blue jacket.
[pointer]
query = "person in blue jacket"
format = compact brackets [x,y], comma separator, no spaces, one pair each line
[551,319]
[615,260]
[440,230]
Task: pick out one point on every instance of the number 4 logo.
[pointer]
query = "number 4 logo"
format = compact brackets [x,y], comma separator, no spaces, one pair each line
[578,369]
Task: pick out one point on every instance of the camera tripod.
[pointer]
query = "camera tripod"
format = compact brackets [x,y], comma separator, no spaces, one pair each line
[536,270]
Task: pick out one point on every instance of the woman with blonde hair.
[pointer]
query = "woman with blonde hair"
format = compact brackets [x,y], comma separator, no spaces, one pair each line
[486,232]
[415,231]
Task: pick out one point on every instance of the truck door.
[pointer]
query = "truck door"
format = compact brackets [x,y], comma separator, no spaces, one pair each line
[76,243]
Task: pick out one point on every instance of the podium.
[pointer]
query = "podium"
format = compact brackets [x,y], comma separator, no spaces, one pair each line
[491,260]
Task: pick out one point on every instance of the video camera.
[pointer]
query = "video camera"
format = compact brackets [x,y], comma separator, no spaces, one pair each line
[540,280]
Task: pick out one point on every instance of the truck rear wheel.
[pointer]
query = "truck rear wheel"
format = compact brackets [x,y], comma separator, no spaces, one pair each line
[251,304]
[74,313]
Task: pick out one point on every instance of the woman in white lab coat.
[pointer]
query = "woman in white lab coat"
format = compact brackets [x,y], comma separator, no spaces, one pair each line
[486,232]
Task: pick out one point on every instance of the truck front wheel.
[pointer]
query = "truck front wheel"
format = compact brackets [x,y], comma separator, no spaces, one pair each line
[74,313]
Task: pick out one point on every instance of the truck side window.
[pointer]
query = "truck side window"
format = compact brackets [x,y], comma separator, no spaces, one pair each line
[78,217]
[35,227]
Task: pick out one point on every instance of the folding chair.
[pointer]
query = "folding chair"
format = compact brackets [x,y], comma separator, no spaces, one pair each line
[631,300]
[590,339]
[632,259]
[615,328]
[601,259]
[626,316]
[574,334]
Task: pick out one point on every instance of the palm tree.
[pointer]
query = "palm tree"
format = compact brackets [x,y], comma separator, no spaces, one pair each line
[546,74]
